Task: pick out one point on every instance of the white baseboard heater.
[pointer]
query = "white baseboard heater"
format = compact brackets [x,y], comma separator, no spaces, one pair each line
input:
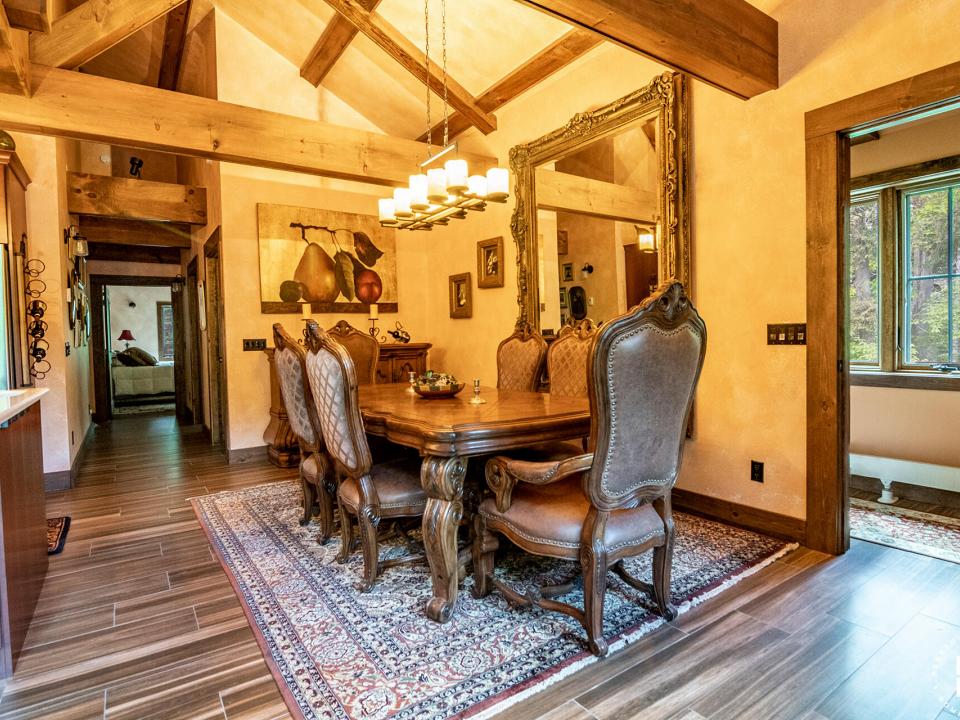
[891,470]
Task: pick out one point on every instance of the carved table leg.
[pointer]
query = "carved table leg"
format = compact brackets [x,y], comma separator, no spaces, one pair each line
[442,479]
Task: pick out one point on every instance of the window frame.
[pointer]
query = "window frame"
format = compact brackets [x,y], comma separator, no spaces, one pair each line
[892,370]
[161,305]
[857,198]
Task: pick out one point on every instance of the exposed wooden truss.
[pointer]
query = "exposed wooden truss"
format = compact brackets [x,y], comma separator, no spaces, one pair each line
[174,41]
[116,197]
[555,56]
[32,15]
[336,36]
[727,43]
[391,41]
[597,198]
[86,107]
[96,25]
[142,233]
[14,58]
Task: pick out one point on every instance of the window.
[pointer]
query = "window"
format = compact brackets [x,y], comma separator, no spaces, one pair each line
[165,330]
[903,264]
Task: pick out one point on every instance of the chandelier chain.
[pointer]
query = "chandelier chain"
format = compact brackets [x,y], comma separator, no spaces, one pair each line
[443,40]
[426,35]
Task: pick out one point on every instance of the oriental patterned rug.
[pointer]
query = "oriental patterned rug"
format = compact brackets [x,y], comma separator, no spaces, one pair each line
[339,653]
[924,533]
[57,529]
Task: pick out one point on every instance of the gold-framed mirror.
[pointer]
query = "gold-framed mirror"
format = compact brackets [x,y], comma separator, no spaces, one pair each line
[601,208]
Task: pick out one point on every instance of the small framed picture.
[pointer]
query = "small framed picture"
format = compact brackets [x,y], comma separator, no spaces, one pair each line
[461,300]
[567,273]
[563,298]
[563,243]
[490,263]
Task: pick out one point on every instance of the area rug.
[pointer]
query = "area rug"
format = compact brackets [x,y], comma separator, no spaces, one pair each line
[339,653]
[57,529]
[912,530]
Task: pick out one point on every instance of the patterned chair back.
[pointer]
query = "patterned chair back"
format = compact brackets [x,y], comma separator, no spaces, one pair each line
[643,373]
[567,359]
[289,364]
[363,348]
[520,359]
[333,381]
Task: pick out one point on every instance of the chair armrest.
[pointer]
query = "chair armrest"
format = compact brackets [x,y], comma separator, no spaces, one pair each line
[504,473]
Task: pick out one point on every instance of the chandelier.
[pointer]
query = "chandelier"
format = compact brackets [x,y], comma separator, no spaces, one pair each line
[435,195]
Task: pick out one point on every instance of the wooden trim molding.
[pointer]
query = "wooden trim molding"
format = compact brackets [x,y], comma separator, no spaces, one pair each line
[242,455]
[906,380]
[756,519]
[905,173]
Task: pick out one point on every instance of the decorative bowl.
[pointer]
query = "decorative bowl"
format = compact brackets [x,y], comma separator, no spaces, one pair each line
[437,385]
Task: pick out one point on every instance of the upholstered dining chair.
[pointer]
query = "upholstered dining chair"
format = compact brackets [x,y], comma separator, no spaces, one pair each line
[520,359]
[318,487]
[567,359]
[363,348]
[613,503]
[368,492]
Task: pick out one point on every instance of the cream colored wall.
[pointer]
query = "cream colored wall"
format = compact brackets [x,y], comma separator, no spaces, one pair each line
[916,142]
[140,320]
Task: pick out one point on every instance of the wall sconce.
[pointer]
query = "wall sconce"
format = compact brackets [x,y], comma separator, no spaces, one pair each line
[646,238]
[136,165]
[177,284]
[75,242]
[585,271]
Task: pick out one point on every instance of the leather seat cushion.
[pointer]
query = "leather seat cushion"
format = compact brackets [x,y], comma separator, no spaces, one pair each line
[553,516]
[397,483]
[545,452]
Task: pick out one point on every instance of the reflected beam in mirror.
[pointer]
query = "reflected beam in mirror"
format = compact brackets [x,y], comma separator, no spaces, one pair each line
[562,191]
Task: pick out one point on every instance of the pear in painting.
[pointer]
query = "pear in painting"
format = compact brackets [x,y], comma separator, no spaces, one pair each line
[317,275]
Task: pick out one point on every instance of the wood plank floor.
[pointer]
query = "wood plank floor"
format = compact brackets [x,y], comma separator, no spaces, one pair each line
[138,621]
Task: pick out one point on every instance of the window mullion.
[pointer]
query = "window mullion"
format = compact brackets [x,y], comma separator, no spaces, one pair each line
[888,279]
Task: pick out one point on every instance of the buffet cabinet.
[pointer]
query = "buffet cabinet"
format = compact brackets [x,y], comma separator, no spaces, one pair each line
[396,362]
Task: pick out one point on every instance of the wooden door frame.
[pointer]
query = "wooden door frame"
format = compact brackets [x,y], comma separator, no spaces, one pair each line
[212,248]
[828,194]
[193,323]
[103,395]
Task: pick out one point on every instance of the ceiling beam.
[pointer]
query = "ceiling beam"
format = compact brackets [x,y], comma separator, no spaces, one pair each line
[87,107]
[727,43]
[32,15]
[95,26]
[14,58]
[555,56]
[392,42]
[116,197]
[133,253]
[597,198]
[142,233]
[338,33]
[174,41]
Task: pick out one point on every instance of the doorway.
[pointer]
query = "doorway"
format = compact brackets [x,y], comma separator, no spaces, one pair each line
[211,302]
[828,180]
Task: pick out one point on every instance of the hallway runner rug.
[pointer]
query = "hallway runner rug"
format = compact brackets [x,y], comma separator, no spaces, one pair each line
[57,529]
[339,653]
[913,530]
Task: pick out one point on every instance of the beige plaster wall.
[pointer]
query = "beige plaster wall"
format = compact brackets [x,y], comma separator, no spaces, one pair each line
[140,320]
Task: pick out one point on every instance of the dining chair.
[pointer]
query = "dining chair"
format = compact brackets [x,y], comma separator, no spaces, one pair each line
[567,359]
[368,491]
[318,487]
[612,503]
[363,348]
[520,359]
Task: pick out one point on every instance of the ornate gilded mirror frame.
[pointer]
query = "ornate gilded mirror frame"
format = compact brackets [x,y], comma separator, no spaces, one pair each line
[666,96]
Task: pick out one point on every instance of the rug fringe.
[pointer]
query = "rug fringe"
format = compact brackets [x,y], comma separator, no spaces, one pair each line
[633,636]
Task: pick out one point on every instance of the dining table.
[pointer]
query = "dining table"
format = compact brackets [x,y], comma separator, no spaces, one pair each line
[450,431]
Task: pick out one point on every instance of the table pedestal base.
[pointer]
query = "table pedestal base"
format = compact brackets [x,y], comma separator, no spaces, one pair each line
[443,479]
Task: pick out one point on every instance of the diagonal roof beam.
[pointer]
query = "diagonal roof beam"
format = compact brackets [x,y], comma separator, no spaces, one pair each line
[392,42]
[174,41]
[93,27]
[727,43]
[338,33]
[555,56]
[32,15]
[14,60]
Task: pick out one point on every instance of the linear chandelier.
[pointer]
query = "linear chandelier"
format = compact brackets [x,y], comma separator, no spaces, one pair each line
[435,195]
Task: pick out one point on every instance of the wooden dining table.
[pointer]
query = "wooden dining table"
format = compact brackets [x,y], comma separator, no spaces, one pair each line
[448,432]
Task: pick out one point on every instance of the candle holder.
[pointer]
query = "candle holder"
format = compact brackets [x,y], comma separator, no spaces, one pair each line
[375,331]
[476,399]
[412,379]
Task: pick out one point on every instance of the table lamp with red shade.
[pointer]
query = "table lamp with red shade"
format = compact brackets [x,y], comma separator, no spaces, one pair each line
[126,336]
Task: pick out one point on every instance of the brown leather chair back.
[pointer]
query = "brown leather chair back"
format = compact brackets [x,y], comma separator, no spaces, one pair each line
[567,359]
[333,381]
[289,364]
[643,373]
[363,348]
[520,360]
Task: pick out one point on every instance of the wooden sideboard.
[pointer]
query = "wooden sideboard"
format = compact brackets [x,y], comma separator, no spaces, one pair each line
[395,363]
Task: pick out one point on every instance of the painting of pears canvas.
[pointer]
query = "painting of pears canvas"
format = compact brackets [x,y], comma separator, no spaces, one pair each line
[336,261]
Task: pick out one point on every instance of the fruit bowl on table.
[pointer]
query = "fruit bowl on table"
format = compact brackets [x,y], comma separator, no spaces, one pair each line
[437,385]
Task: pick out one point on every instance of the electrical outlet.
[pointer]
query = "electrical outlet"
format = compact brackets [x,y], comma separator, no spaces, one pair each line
[255,344]
[756,471]
[787,334]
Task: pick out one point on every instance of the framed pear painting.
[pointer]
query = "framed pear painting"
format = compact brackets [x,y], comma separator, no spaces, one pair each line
[336,261]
